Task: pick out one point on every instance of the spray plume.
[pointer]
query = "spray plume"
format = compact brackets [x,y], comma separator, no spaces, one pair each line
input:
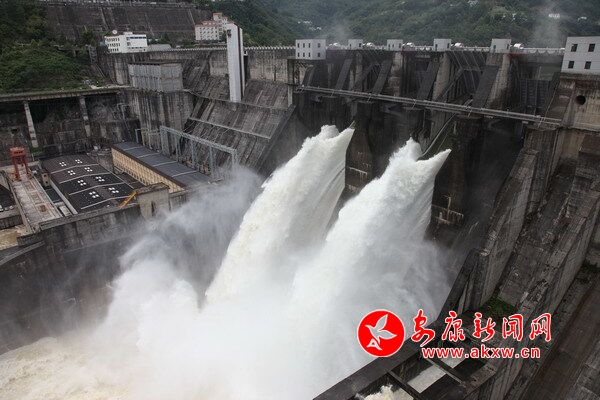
[281,316]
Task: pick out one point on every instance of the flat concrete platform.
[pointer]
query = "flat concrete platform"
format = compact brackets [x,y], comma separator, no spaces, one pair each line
[33,202]
[58,94]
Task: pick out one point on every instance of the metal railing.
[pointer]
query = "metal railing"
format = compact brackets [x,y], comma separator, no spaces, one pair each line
[165,147]
[439,106]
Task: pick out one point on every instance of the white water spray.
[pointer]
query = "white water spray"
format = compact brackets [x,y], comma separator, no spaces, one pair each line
[280,324]
[292,213]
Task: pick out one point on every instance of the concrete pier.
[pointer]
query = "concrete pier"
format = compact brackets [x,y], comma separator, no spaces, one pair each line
[30,126]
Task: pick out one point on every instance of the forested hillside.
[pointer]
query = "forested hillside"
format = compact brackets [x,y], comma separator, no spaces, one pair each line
[30,59]
[469,21]
[262,23]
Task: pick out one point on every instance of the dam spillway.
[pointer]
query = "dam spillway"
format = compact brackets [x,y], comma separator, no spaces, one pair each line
[514,208]
[261,329]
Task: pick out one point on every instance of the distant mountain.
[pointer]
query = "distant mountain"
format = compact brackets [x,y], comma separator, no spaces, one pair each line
[475,22]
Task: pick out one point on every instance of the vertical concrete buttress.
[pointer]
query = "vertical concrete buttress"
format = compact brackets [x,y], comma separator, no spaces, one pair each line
[498,98]
[441,82]
[86,118]
[30,126]
[443,77]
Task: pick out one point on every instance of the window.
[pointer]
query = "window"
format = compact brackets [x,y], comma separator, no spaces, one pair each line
[588,65]
[494,47]
[573,47]
[319,55]
[298,45]
[309,45]
[303,54]
[319,45]
[592,47]
[303,45]
[571,64]
[298,54]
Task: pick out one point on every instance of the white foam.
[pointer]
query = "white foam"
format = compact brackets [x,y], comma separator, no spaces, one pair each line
[281,321]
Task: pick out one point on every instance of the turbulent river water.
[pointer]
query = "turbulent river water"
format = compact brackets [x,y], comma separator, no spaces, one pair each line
[213,305]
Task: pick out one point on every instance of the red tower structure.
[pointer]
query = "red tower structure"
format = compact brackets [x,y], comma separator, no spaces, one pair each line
[19,156]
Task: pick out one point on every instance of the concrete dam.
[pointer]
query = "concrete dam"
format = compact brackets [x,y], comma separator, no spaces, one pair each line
[474,172]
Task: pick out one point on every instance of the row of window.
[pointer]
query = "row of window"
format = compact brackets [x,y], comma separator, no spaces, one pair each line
[118,38]
[588,65]
[304,45]
[591,47]
[304,55]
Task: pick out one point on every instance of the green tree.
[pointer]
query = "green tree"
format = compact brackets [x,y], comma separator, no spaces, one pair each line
[36,66]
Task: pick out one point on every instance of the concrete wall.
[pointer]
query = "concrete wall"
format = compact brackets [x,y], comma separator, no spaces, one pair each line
[154,109]
[195,62]
[269,64]
[159,77]
[505,226]
[584,101]
[176,21]
[59,274]
[13,129]
[61,125]
[47,283]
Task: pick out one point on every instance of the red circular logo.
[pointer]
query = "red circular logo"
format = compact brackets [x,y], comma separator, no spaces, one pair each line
[381,333]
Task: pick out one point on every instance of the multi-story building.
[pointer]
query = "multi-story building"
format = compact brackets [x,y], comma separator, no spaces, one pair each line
[211,30]
[310,49]
[128,42]
[582,55]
